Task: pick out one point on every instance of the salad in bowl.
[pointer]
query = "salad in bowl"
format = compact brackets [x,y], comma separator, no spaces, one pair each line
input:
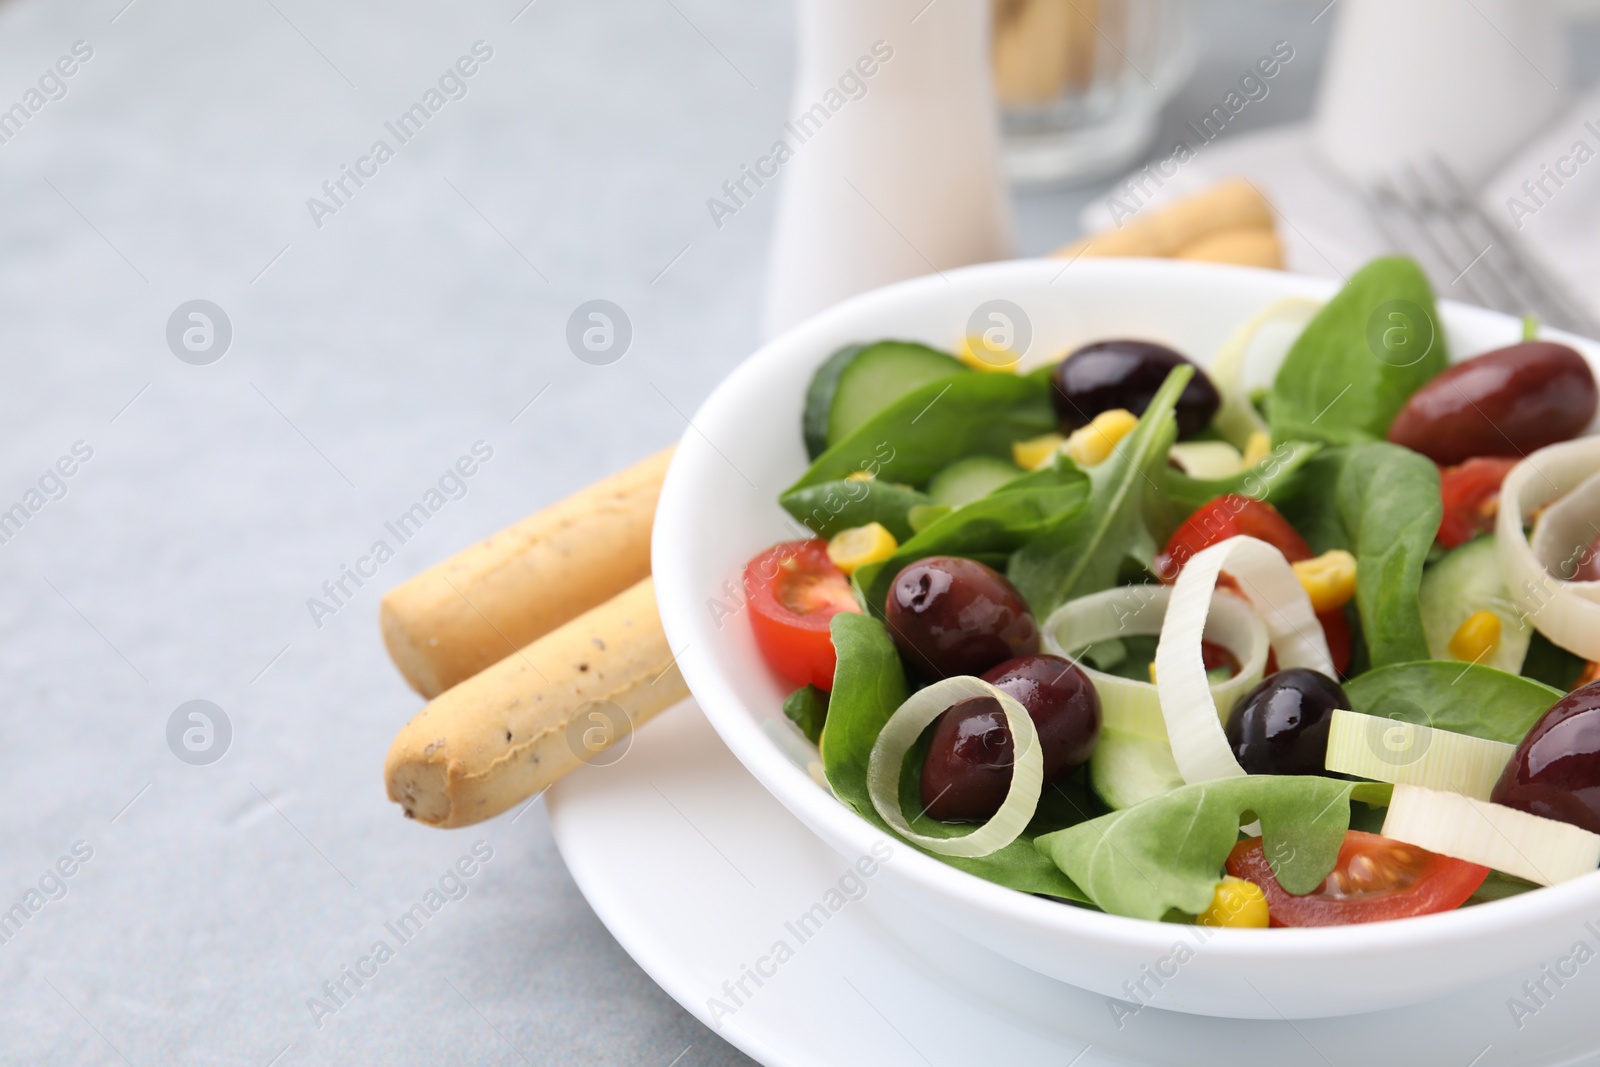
[1299,629]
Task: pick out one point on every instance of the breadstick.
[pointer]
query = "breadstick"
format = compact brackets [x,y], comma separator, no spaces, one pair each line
[1246,247]
[1232,204]
[477,607]
[506,733]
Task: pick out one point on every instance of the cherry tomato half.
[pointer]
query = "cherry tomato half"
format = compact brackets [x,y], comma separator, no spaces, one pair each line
[1233,515]
[794,591]
[1375,878]
[1471,495]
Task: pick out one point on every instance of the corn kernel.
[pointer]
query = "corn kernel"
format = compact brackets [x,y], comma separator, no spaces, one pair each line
[1476,638]
[1036,453]
[1091,444]
[860,476]
[977,353]
[1257,448]
[1153,672]
[861,545]
[1329,580]
[1237,903]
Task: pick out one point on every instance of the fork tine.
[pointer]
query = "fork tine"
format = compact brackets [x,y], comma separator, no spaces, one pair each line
[1420,206]
[1543,293]
[1522,296]
[1466,268]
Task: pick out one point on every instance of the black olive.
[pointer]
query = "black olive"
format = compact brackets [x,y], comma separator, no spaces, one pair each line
[1281,726]
[1107,375]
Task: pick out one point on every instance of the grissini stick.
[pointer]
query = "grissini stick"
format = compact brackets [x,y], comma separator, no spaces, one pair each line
[509,731]
[469,612]
[1232,204]
[1248,247]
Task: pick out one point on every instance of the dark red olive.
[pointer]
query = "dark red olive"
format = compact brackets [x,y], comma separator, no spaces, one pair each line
[1281,726]
[1062,703]
[1508,402]
[967,771]
[1107,375]
[951,616]
[1555,772]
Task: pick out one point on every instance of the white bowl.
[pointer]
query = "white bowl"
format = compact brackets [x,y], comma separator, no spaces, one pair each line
[719,507]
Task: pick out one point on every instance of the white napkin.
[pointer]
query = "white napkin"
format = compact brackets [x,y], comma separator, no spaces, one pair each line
[1325,226]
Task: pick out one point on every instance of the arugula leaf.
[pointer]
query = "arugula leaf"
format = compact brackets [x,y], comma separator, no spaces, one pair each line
[935,425]
[1465,698]
[868,686]
[997,524]
[828,507]
[1355,364]
[807,708]
[1084,553]
[1388,502]
[1168,852]
[1274,478]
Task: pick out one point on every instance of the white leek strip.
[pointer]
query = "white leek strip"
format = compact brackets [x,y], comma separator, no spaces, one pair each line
[1209,460]
[903,729]
[1194,720]
[1131,706]
[1564,532]
[1406,753]
[1237,418]
[1491,835]
[1565,612]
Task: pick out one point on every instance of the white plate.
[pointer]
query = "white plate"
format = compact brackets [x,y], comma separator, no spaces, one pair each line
[696,869]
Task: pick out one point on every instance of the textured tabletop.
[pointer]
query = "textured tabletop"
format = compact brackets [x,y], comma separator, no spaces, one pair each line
[179,514]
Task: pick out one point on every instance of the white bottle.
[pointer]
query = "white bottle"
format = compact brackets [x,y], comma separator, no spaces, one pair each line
[893,173]
[1462,82]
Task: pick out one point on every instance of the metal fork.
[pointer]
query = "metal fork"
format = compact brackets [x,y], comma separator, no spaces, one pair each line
[1427,212]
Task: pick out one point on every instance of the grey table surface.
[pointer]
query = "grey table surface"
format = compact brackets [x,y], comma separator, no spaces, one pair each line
[209,503]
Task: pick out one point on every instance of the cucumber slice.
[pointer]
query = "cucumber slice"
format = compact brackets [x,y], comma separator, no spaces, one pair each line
[1127,769]
[922,516]
[1515,842]
[1465,581]
[1207,460]
[819,399]
[1404,753]
[971,479]
[875,377]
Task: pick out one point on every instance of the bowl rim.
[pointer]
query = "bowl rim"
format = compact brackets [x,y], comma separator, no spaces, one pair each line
[676,518]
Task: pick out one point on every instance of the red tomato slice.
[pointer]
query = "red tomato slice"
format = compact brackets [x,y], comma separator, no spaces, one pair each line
[1375,878]
[1229,516]
[1233,516]
[1471,495]
[794,591]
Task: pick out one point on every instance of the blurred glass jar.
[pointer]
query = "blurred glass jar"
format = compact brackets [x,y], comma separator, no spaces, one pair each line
[1082,82]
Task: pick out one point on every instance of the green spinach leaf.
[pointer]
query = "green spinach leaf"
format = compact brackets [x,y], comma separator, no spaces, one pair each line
[997,524]
[1465,698]
[1084,553]
[1354,366]
[1388,502]
[828,507]
[1168,852]
[937,424]
[807,708]
[1273,479]
[868,685]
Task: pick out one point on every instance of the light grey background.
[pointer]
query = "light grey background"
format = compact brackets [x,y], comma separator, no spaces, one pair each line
[367,355]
